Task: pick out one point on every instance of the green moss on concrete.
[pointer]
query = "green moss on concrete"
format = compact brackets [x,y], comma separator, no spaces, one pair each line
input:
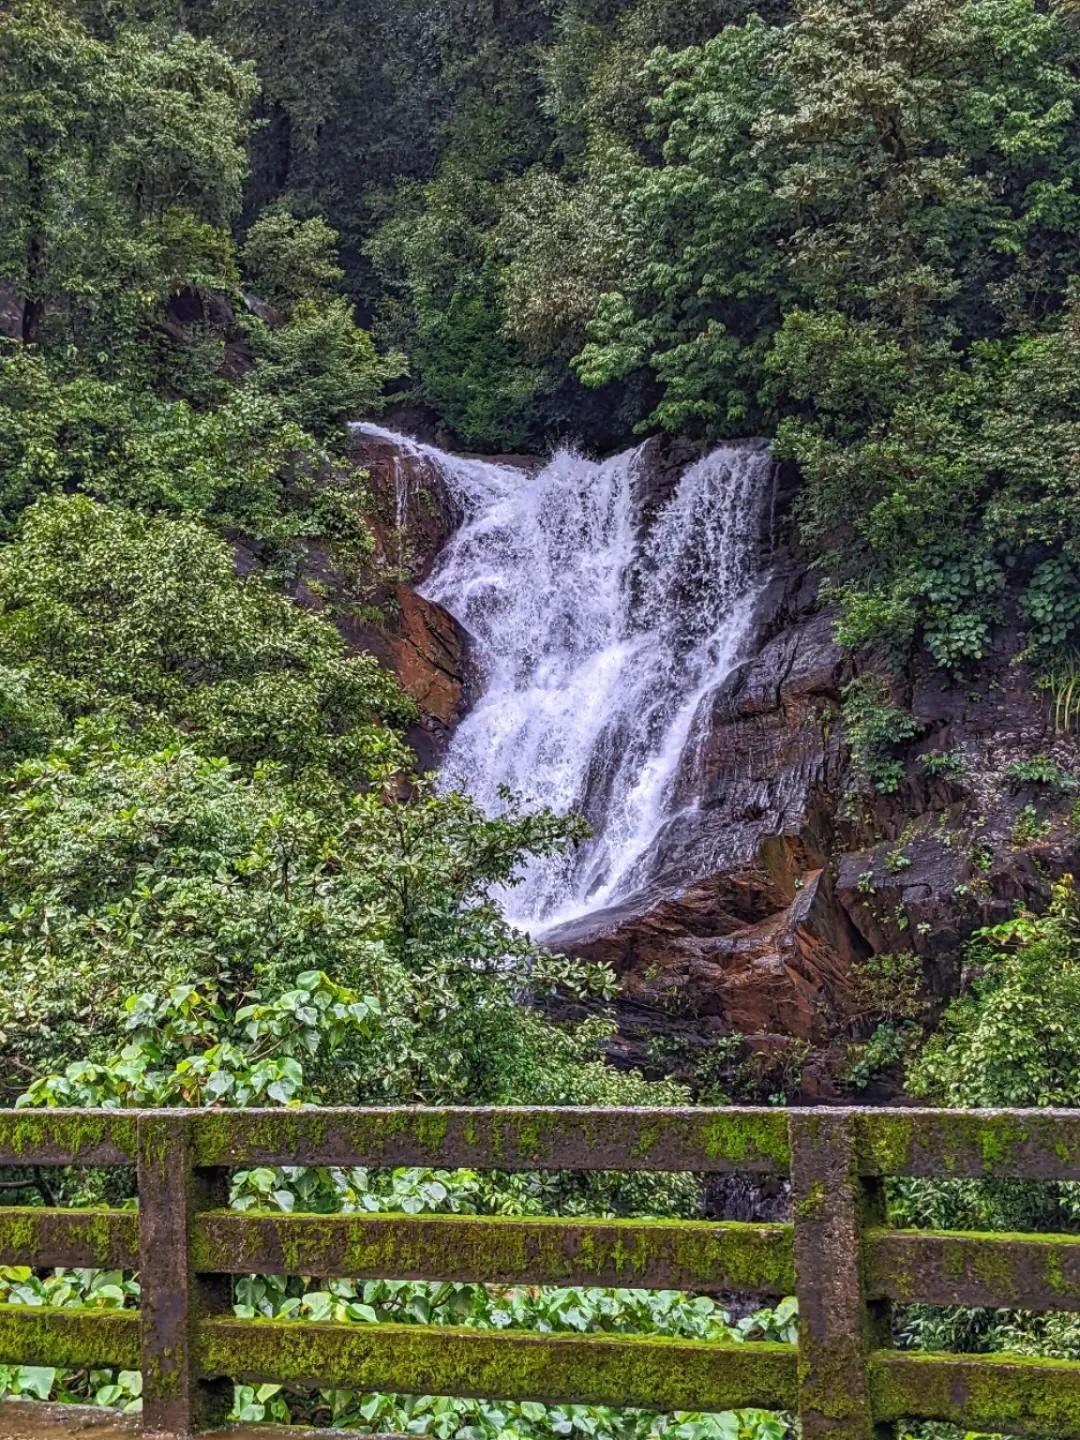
[1000,1142]
[88,1238]
[650,1133]
[660,1254]
[657,1374]
[508,1138]
[1053,1272]
[812,1205]
[42,1335]
[992,1393]
[975,1144]
[886,1143]
[891,1268]
[1031,1272]
[742,1136]
[70,1137]
[832,1389]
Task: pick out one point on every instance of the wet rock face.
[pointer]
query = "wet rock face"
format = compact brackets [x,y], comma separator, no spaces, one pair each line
[738,920]
[773,881]
[416,639]
[427,648]
[414,511]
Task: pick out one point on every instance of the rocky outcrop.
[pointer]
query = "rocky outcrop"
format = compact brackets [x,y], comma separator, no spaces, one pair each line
[774,879]
[737,920]
[425,648]
[372,599]
[412,513]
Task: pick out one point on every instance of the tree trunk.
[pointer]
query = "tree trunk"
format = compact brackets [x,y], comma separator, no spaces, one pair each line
[33,302]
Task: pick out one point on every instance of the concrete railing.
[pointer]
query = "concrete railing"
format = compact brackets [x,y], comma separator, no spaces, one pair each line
[839,1257]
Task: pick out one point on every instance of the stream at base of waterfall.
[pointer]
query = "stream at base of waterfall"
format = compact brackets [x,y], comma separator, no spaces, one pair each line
[600,620]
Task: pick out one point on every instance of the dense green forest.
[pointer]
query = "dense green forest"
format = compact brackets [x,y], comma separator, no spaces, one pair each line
[851,226]
[232,226]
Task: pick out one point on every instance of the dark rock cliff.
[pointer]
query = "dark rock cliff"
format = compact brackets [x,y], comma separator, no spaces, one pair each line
[774,879]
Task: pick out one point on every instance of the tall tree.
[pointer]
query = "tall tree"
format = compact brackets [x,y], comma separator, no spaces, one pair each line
[121,158]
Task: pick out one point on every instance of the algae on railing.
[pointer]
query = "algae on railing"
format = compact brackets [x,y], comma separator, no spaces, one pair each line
[838,1256]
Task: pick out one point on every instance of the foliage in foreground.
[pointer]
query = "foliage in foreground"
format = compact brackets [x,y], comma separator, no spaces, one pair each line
[192,1048]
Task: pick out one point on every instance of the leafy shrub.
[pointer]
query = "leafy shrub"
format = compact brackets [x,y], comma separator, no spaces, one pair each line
[124,873]
[1011,1040]
[1041,770]
[958,596]
[875,728]
[289,260]
[144,621]
[943,762]
[1051,606]
[240,466]
[886,1047]
[321,368]
[1028,827]
[891,987]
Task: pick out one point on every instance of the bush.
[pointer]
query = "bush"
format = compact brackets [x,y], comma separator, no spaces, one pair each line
[321,368]
[144,621]
[289,260]
[1011,1041]
[1041,770]
[875,727]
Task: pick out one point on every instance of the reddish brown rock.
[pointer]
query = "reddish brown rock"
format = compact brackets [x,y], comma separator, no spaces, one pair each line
[413,512]
[427,655]
[788,974]
[737,922]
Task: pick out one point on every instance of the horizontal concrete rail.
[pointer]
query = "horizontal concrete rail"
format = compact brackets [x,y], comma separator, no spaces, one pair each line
[588,1370]
[652,1255]
[68,1137]
[82,1239]
[988,1393]
[706,1141]
[840,1257]
[1030,1272]
[969,1144]
[38,1334]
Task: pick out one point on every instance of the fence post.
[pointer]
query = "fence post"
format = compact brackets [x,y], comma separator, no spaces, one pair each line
[837,1327]
[171,1191]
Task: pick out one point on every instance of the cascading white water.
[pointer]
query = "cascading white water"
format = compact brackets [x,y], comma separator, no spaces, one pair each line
[598,630]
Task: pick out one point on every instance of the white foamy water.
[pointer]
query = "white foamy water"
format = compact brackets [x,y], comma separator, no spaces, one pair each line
[598,632]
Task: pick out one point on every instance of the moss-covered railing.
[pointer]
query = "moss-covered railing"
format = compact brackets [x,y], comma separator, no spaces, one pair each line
[838,1256]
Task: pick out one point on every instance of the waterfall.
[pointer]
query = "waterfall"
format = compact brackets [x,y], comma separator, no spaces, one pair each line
[599,623]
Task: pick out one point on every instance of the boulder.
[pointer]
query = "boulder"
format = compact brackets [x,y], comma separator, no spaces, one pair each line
[414,512]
